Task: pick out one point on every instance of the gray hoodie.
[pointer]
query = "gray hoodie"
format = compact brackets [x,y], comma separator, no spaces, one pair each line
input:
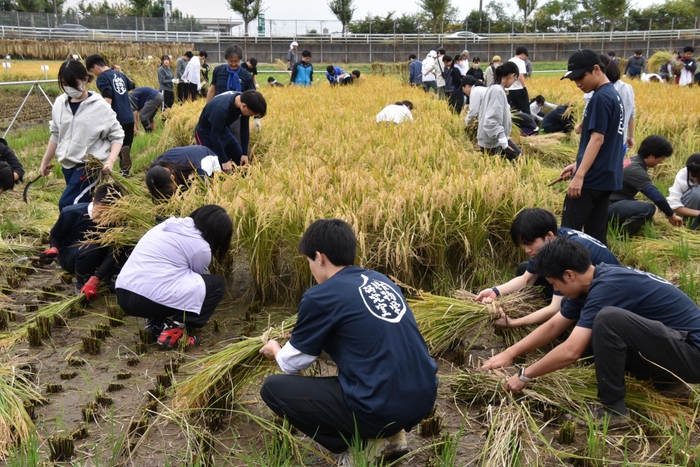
[165,79]
[494,118]
[92,130]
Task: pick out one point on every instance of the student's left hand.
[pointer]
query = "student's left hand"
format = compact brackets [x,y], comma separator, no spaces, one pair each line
[575,186]
[514,385]
[90,288]
[498,361]
[270,349]
[630,142]
[257,124]
[244,160]
[107,167]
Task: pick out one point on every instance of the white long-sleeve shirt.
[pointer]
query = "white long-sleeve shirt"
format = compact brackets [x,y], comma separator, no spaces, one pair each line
[680,186]
[475,98]
[193,71]
[536,109]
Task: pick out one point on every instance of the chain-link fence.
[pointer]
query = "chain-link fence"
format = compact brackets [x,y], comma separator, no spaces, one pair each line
[105,22]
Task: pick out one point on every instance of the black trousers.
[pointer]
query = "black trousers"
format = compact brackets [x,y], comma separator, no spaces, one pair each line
[168,99]
[192,92]
[316,406]
[92,260]
[182,92]
[519,100]
[547,288]
[588,212]
[511,152]
[630,343]
[630,215]
[134,304]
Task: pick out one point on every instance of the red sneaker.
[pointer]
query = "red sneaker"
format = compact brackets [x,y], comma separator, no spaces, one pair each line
[170,337]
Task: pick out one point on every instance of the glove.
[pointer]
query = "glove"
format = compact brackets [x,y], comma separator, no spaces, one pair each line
[624,76]
[184,80]
[257,86]
[48,256]
[257,125]
[176,81]
[90,288]
[503,142]
[199,87]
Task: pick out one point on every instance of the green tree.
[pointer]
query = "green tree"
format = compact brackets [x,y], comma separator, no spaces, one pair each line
[612,10]
[438,13]
[404,24]
[248,9]
[556,15]
[343,10]
[527,7]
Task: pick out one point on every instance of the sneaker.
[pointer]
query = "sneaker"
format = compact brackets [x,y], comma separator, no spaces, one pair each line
[156,326]
[172,333]
[677,391]
[389,449]
[615,420]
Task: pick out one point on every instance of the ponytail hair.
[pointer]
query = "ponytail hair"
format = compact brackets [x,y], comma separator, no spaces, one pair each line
[693,166]
[607,66]
[506,69]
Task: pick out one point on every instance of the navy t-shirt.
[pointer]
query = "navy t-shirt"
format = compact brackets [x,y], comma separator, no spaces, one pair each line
[114,85]
[141,95]
[639,292]
[215,120]
[219,78]
[187,155]
[598,251]
[604,114]
[361,319]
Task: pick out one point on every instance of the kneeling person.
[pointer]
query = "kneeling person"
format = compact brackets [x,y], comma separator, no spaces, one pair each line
[634,321]
[386,379]
[531,229]
[90,263]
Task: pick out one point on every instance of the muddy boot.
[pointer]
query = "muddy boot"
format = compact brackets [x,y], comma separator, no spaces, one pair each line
[125,161]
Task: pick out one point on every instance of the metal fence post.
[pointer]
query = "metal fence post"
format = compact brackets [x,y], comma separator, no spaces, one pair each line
[370,42]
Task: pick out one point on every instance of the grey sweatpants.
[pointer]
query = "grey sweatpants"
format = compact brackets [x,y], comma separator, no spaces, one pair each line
[149,110]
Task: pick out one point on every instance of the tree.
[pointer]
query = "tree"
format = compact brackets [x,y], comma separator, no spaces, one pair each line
[404,24]
[248,9]
[140,8]
[438,12]
[612,10]
[343,10]
[556,16]
[527,7]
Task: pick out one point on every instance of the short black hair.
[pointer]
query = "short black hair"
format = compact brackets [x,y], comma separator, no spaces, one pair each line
[255,101]
[531,224]
[693,165]
[94,60]
[476,60]
[70,72]
[189,54]
[611,70]
[306,53]
[540,99]
[332,237]
[441,51]
[270,79]
[232,50]
[446,58]
[688,48]
[356,73]
[216,227]
[559,255]
[107,193]
[330,69]
[7,176]
[611,54]
[412,56]
[203,53]
[638,52]
[253,61]
[521,49]
[159,182]
[408,104]
[655,145]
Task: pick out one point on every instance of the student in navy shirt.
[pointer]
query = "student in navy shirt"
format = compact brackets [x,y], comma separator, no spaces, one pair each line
[531,229]
[386,381]
[114,87]
[634,321]
[90,263]
[146,101]
[415,71]
[213,131]
[597,171]
[177,167]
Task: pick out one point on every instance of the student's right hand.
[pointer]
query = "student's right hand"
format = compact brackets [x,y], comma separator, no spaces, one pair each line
[227,167]
[48,256]
[44,169]
[676,220]
[568,171]
[244,160]
[486,295]
[501,360]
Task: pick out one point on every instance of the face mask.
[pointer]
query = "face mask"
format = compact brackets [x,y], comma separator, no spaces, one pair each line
[73,92]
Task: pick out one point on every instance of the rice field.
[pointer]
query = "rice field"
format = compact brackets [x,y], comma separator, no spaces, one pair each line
[427,209]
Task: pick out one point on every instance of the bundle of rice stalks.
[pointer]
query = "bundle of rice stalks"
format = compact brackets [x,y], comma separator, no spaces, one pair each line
[677,245]
[508,431]
[218,376]
[16,247]
[573,389]
[657,59]
[555,148]
[444,321]
[16,392]
[62,308]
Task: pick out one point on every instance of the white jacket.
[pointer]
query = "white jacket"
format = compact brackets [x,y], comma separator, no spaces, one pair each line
[166,265]
[192,71]
[92,130]
[680,186]
[475,98]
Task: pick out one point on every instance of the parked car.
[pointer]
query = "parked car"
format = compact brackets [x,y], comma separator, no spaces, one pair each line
[71,30]
[468,35]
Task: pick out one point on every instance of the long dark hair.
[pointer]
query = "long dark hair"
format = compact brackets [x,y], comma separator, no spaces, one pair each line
[693,166]
[216,228]
[506,69]
[160,183]
[72,71]
[609,68]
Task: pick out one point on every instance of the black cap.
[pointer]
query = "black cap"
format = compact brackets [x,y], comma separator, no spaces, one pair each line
[579,62]
[468,80]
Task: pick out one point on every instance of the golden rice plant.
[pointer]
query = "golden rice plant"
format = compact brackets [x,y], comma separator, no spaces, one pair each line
[16,392]
[657,59]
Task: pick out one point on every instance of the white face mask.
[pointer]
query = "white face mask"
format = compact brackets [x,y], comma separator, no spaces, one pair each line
[73,92]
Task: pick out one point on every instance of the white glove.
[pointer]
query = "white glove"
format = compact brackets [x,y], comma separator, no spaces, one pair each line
[257,86]
[176,81]
[503,142]
[184,80]
[624,76]
[257,124]
[199,87]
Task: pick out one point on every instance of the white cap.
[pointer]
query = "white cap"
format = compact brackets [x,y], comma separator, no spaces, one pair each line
[294,44]
[433,54]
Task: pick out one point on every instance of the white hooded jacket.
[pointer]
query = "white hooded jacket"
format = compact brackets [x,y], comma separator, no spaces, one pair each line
[92,130]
